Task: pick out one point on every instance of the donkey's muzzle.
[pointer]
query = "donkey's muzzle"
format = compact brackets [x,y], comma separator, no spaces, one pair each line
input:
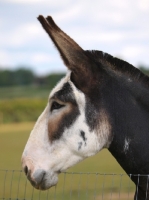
[39,177]
[36,178]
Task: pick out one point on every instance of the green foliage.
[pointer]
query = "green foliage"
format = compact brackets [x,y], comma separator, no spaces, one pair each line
[24,92]
[52,79]
[18,110]
[17,77]
[24,77]
[6,78]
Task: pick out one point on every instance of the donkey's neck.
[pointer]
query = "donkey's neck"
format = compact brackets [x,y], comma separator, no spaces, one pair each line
[129,110]
[125,94]
[129,113]
[126,98]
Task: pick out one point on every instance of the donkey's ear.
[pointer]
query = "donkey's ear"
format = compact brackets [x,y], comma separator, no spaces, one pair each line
[72,54]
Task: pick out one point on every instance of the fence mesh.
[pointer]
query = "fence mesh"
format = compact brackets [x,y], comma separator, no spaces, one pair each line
[71,186]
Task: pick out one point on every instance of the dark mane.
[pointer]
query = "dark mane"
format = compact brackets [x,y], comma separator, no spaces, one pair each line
[119,66]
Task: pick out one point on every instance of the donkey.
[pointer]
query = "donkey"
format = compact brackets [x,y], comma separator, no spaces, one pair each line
[102,102]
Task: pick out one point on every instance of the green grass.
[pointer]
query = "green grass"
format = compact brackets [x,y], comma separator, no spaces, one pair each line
[24,103]
[24,92]
[13,138]
[20,110]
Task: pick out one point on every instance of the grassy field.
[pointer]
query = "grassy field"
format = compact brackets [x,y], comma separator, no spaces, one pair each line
[22,103]
[24,92]
[21,110]
[86,185]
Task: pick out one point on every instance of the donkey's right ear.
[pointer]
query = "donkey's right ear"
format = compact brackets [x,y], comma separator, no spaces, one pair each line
[72,54]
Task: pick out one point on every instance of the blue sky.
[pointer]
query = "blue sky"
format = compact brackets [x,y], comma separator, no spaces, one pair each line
[118,27]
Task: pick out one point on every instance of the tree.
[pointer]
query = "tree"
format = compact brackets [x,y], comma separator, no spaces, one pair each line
[6,78]
[18,77]
[23,77]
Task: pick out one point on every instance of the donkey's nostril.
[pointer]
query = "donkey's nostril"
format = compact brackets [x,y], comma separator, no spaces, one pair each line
[26,170]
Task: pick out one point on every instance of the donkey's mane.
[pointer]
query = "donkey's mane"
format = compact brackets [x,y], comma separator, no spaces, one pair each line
[118,66]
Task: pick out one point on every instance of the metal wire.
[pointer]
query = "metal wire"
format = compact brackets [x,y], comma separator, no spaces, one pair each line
[72,186]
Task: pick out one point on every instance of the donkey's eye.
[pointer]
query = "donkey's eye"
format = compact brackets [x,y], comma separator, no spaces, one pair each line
[56,106]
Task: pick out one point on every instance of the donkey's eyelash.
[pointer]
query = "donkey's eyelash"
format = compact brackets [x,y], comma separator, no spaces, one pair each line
[55,106]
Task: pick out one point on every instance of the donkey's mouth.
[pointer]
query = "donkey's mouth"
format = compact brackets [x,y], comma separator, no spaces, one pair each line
[42,180]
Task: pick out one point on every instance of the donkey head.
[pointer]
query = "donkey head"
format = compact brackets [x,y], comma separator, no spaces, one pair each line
[74,124]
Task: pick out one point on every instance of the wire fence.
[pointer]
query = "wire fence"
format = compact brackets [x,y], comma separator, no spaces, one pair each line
[71,186]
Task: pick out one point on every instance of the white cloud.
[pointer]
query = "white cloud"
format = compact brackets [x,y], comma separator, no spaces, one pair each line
[8,59]
[131,51]
[117,27]
[24,1]
[38,58]
[21,35]
[89,36]
[67,14]
[143,5]
[41,63]
[4,58]
[37,2]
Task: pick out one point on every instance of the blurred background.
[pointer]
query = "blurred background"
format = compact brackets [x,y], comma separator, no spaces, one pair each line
[30,66]
[119,28]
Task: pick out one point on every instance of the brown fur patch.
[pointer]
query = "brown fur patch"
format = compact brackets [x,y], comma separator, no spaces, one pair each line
[59,121]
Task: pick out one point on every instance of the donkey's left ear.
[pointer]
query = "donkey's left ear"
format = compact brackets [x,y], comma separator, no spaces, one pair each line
[72,54]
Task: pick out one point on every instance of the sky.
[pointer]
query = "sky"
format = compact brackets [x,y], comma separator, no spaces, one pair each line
[117,27]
